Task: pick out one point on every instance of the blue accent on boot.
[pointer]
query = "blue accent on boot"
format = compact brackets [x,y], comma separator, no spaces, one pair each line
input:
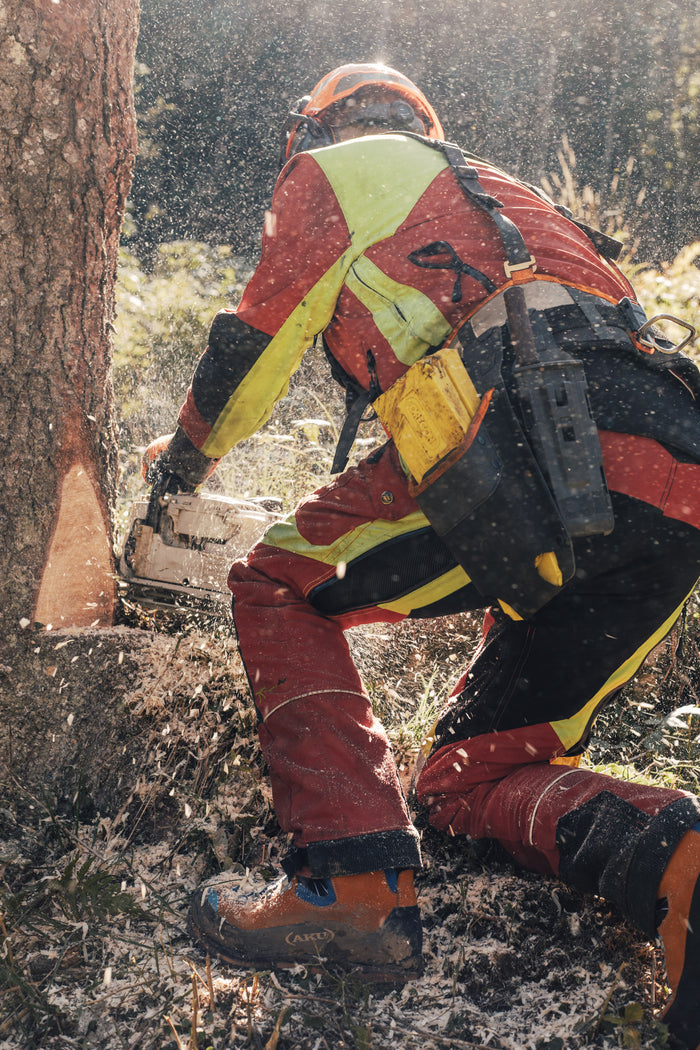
[212,899]
[318,892]
[696,827]
[392,879]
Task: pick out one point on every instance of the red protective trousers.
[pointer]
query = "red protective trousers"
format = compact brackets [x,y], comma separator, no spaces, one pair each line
[359,551]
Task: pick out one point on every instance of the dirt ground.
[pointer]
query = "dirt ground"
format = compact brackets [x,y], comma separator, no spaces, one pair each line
[94,949]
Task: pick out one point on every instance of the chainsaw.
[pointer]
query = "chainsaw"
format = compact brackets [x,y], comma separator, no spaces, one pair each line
[178,548]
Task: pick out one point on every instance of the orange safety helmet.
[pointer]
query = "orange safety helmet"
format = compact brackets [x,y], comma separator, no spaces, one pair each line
[307,129]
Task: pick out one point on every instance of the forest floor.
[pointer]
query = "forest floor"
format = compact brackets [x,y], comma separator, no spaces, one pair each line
[94,948]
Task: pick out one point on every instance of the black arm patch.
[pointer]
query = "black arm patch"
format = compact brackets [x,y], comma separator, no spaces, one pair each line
[234,347]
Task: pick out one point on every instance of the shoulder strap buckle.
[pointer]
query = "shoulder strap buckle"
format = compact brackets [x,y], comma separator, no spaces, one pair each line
[511,268]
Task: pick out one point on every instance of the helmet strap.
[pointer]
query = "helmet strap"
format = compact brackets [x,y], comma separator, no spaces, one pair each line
[397,114]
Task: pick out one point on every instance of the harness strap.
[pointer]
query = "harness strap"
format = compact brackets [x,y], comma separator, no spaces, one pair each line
[618,324]
[349,429]
[517,255]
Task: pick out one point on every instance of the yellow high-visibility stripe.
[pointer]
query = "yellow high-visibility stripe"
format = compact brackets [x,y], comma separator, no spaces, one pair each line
[251,404]
[350,545]
[389,172]
[381,171]
[571,730]
[430,592]
[409,321]
[359,541]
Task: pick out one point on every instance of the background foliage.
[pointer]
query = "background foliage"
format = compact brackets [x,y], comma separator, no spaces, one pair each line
[620,79]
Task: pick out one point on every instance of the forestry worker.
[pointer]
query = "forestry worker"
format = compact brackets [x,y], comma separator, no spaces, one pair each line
[542,463]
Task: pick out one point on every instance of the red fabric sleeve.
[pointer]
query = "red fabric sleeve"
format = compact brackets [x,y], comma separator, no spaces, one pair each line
[305,233]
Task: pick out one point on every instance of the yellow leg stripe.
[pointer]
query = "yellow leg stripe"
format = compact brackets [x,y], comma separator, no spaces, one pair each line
[359,541]
[431,592]
[571,730]
[347,547]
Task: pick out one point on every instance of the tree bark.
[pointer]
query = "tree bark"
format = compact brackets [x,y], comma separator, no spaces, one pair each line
[67,144]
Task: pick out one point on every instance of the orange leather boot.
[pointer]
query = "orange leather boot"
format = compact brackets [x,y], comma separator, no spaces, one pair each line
[367,923]
[679,892]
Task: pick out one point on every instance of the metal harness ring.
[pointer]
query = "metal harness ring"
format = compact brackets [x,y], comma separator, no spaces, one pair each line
[648,339]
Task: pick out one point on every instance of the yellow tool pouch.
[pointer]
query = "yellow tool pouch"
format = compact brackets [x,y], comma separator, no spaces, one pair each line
[474,477]
[428,410]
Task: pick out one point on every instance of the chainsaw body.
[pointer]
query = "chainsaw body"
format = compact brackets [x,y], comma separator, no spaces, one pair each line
[183,559]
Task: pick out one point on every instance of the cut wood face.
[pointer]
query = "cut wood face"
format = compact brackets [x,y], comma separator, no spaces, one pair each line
[78,585]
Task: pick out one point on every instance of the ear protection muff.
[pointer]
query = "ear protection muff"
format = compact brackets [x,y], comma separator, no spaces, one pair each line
[310,133]
[302,132]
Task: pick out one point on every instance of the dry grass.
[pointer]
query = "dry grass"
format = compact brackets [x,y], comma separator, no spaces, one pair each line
[94,947]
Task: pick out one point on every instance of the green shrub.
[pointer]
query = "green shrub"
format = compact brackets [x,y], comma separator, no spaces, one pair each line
[674,288]
[162,324]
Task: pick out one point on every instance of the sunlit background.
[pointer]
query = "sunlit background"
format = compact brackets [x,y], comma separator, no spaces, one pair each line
[619,81]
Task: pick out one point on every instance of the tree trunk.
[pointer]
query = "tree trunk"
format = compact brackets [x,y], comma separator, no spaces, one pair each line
[67,144]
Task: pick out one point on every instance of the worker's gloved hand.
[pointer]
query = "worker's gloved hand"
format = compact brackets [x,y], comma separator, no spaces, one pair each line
[172,464]
[157,471]
[154,466]
[152,452]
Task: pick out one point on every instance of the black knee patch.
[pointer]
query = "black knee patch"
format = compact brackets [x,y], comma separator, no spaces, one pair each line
[609,847]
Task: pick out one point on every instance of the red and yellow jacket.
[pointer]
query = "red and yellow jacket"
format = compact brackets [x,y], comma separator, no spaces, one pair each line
[335,259]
